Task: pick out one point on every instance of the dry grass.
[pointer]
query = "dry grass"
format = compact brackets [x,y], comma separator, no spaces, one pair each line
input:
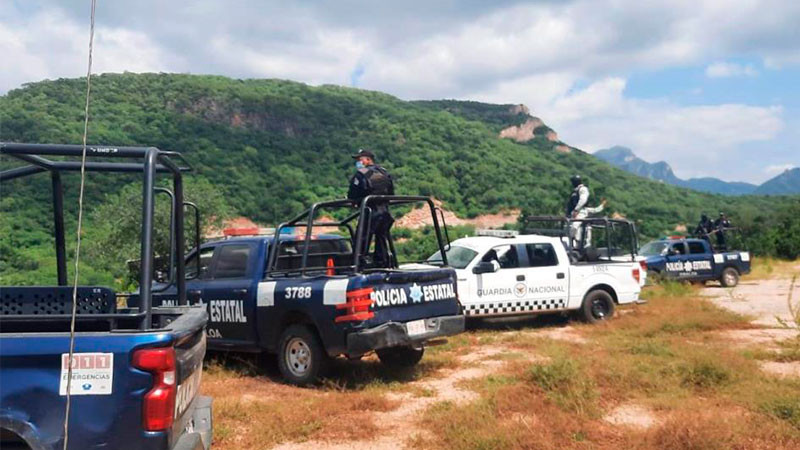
[255,412]
[550,387]
[766,267]
[664,356]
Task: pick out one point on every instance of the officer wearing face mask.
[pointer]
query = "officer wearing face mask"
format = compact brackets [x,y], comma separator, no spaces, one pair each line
[372,179]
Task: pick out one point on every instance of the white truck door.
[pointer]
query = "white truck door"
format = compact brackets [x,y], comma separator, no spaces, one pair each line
[546,277]
[502,291]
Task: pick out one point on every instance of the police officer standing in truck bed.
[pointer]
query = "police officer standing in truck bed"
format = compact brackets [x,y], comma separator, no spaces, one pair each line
[372,179]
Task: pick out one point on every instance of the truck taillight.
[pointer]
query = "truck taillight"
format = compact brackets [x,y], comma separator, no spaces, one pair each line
[636,274]
[158,406]
[357,306]
[643,265]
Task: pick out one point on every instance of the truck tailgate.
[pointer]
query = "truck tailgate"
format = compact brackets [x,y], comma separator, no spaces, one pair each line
[412,294]
[107,390]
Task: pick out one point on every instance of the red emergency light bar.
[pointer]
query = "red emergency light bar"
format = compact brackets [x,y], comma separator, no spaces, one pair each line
[252,231]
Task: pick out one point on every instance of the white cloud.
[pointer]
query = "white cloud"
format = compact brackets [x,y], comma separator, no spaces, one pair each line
[419,50]
[696,140]
[50,45]
[568,61]
[725,70]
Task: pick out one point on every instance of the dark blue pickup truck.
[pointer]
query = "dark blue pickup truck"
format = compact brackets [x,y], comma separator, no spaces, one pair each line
[316,296]
[133,377]
[694,260]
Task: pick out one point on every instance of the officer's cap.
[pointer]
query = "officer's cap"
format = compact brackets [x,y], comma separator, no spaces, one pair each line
[362,152]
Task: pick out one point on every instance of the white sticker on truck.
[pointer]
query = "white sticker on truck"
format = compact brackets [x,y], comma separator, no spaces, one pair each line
[719,258]
[92,374]
[745,256]
[265,296]
[335,292]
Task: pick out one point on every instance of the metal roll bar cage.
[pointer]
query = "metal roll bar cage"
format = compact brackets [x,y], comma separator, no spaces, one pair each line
[565,223]
[363,213]
[153,161]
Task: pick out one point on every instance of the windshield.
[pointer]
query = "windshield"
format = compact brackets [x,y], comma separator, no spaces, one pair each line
[654,248]
[457,257]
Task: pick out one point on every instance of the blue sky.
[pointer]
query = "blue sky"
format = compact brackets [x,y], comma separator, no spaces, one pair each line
[710,86]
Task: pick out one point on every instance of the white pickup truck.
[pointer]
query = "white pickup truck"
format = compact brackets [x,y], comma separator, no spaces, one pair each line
[511,274]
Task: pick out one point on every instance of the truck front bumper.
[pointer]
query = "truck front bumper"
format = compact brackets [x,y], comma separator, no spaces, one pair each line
[395,334]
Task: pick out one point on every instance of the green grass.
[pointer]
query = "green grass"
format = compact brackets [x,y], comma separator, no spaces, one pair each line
[566,383]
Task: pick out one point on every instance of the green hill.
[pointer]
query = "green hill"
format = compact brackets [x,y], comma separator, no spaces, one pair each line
[271,147]
[786,183]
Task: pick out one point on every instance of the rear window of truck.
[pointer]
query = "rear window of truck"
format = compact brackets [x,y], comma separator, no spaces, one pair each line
[232,261]
[696,248]
[541,255]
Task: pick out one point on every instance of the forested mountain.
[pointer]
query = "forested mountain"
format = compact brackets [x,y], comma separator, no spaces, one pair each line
[271,147]
[787,182]
[625,159]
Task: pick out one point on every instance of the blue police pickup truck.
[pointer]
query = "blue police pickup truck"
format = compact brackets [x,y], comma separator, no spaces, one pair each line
[130,374]
[313,297]
[694,260]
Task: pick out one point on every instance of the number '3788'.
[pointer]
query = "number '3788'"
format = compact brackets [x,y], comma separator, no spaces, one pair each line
[298,292]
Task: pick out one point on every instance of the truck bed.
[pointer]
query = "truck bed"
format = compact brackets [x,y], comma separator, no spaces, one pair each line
[107,390]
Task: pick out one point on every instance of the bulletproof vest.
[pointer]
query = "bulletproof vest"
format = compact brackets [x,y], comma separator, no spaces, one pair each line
[379,181]
[572,202]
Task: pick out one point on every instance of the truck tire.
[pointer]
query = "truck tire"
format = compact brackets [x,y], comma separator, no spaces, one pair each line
[301,357]
[400,357]
[729,277]
[598,305]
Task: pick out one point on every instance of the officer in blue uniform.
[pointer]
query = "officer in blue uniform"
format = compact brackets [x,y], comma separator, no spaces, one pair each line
[721,225]
[372,179]
[704,229]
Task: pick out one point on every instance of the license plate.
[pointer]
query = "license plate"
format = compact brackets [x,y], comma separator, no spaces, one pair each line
[416,327]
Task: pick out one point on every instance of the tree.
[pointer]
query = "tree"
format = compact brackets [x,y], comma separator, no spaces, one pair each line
[115,238]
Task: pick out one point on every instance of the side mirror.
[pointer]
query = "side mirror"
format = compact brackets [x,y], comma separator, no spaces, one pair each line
[484,267]
[671,252]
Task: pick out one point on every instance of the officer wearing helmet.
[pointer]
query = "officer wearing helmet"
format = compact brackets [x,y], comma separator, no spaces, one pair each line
[577,208]
[704,228]
[578,198]
[720,225]
[372,179]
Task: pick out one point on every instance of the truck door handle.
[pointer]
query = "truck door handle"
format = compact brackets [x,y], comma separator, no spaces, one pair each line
[560,275]
[194,292]
[240,291]
[520,277]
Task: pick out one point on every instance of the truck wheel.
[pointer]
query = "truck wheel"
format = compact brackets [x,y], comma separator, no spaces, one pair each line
[301,357]
[729,277]
[400,357]
[597,306]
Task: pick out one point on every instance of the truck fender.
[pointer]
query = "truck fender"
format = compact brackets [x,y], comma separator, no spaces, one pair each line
[603,287]
[24,430]
[605,282]
[291,317]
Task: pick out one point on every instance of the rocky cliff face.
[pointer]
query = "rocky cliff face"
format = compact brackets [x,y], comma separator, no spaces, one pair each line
[529,129]
[421,217]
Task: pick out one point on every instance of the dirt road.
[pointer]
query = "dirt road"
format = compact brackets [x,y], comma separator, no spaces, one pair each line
[767,302]
[764,300]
